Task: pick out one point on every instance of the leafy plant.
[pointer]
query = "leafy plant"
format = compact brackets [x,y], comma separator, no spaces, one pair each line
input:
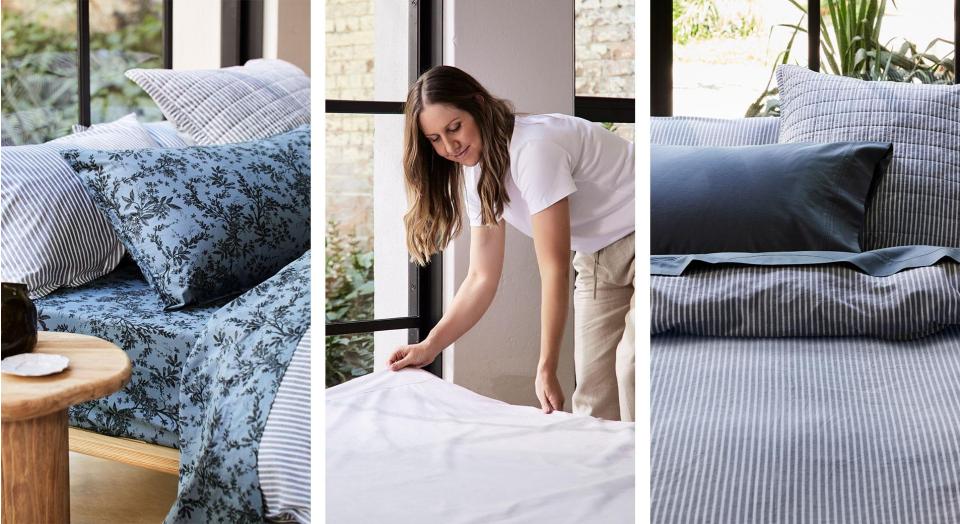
[349,289]
[850,46]
[701,20]
[39,77]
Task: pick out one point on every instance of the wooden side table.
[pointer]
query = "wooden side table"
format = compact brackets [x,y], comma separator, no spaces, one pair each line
[35,462]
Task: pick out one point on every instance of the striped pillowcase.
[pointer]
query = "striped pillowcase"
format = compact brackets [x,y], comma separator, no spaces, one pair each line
[284,458]
[918,201]
[714,132]
[53,235]
[806,301]
[235,104]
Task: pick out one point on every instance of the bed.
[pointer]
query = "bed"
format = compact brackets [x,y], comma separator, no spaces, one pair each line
[213,207]
[825,390]
[177,353]
[409,447]
[812,428]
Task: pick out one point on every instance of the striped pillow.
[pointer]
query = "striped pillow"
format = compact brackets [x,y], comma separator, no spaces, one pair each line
[918,201]
[53,235]
[234,104]
[713,132]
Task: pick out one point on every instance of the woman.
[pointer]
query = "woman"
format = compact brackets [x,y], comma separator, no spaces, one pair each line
[567,183]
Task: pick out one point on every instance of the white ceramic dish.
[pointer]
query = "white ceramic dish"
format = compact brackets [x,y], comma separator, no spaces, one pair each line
[34,364]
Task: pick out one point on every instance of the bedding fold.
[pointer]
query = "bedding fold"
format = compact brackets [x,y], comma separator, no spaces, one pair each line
[230,380]
[877,263]
[806,301]
[413,448]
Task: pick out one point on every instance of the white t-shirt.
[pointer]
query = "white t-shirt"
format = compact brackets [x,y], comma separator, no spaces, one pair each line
[555,156]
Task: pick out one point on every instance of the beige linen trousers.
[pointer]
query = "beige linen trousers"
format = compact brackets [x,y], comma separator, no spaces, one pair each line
[604,341]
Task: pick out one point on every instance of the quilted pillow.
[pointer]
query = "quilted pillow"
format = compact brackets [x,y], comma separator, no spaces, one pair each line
[917,202]
[218,106]
[53,234]
[205,222]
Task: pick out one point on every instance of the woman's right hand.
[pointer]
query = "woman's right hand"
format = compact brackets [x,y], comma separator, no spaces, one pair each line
[415,355]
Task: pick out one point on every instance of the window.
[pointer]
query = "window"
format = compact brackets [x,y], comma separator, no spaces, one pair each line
[604,63]
[719,59]
[49,86]
[376,299]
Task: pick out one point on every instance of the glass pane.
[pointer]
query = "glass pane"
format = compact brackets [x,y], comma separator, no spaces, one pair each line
[347,357]
[604,41]
[915,33]
[367,47]
[351,356]
[124,34]
[367,260]
[39,70]
[724,53]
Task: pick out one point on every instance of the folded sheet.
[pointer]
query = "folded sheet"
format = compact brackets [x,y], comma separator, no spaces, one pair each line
[877,263]
[408,447]
[830,300]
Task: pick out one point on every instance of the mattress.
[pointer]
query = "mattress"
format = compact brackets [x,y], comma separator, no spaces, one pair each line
[852,429]
[408,447]
[123,309]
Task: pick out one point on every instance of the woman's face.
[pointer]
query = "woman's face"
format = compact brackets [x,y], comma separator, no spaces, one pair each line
[453,133]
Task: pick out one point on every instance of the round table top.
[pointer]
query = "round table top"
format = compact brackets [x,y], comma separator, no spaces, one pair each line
[97,368]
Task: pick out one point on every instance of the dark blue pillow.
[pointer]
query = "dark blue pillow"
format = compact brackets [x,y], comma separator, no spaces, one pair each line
[205,222]
[777,197]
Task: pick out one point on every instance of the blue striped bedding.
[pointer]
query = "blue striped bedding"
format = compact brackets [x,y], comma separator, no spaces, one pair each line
[801,393]
[806,394]
[798,430]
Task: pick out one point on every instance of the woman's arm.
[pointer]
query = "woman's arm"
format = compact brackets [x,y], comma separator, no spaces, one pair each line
[470,303]
[551,239]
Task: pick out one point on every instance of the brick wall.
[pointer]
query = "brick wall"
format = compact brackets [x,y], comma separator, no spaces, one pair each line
[349,138]
[604,62]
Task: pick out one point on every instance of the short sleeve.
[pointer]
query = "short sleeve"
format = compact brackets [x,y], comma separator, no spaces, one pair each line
[472,198]
[544,174]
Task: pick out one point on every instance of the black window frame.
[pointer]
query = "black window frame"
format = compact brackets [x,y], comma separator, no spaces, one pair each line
[661,50]
[83,53]
[425,283]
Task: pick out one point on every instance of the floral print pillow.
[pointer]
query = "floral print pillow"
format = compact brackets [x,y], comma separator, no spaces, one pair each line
[205,222]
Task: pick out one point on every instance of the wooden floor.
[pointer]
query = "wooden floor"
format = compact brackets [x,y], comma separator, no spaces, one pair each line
[106,491]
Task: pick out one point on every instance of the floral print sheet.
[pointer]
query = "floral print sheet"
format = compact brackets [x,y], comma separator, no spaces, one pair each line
[230,380]
[123,309]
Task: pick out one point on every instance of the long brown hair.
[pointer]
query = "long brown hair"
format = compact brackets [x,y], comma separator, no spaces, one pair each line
[434,184]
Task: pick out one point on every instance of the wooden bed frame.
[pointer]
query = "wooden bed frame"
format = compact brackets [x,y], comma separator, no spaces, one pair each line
[125,450]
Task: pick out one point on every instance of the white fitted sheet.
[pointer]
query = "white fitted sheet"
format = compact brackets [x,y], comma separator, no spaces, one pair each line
[408,447]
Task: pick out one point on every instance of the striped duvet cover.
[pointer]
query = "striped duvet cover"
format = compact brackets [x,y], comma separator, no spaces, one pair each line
[806,394]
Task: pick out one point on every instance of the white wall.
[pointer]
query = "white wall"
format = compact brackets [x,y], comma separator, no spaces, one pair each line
[522,51]
[196,35]
[286,31]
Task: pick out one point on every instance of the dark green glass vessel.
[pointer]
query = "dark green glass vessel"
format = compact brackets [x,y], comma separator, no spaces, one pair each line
[18,320]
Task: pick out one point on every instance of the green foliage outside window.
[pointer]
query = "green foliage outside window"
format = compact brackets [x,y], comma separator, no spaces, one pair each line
[349,290]
[850,46]
[702,20]
[39,74]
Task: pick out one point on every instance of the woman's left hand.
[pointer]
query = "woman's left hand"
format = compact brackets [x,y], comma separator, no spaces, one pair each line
[549,391]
